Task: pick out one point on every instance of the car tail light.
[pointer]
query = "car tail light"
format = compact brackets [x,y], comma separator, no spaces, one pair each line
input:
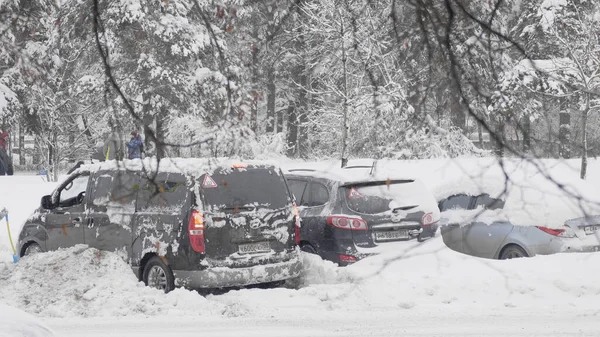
[344,222]
[427,219]
[562,232]
[297,223]
[196,231]
[347,258]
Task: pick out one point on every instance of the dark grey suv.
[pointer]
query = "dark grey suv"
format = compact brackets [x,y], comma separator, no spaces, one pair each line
[189,223]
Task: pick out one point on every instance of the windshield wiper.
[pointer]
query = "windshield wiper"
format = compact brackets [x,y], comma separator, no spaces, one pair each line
[239,208]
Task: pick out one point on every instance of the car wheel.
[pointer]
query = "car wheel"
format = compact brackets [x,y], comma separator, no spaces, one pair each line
[512,252]
[158,275]
[308,248]
[32,249]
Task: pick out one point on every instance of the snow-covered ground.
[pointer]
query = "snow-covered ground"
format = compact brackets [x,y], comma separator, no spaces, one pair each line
[412,289]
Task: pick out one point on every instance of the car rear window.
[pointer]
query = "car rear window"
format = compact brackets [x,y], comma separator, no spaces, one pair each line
[379,197]
[236,189]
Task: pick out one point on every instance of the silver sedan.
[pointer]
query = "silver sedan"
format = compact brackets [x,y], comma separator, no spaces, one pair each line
[503,240]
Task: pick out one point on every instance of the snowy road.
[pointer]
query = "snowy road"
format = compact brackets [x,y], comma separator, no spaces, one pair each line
[392,324]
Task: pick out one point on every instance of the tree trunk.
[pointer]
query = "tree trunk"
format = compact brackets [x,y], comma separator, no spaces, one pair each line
[526,129]
[271,101]
[499,139]
[344,156]
[292,134]
[584,147]
[564,135]
[161,133]
[280,115]
[21,146]
[480,135]
[456,111]
[301,109]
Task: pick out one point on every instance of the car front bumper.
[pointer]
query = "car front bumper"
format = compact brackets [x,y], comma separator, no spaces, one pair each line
[223,277]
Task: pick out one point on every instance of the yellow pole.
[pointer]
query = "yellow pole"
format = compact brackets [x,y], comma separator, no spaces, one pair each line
[12,245]
[107,152]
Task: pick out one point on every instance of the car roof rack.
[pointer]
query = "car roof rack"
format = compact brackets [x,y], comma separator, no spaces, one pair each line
[306,170]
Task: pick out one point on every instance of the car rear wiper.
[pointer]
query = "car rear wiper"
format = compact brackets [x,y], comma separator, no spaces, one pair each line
[403,208]
[239,208]
[377,183]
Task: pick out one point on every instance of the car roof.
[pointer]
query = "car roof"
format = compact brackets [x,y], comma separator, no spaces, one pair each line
[186,166]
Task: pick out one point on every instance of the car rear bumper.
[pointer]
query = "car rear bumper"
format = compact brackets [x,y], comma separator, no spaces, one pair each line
[567,245]
[223,277]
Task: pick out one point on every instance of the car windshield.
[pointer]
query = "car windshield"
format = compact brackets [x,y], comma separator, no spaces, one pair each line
[245,189]
[382,196]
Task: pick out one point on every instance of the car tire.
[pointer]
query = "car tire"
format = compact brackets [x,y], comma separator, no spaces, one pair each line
[308,248]
[32,249]
[512,252]
[158,275]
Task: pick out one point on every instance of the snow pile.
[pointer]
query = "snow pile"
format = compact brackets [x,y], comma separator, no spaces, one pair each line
[16,323]
[318,271]
[83,281]
[431,277]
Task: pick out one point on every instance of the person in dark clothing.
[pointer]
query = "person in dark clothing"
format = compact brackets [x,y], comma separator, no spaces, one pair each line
[6,166]
[3,140]
[135,146]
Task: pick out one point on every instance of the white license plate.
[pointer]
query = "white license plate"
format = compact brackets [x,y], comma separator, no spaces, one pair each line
[257,247]
[391,235]
[591,229]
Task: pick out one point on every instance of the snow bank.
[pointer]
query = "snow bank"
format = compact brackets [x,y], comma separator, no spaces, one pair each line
[83,281]
[431,277]
[17,323]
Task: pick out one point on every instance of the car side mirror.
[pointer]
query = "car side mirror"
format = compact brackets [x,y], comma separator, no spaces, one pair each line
[47,202]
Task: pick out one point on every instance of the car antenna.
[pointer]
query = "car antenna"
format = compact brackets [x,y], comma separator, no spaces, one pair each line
[373,167]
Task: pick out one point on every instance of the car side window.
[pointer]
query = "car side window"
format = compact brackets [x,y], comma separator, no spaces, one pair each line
[116,189]
[488,202]
[161,196]
[73,193]
[457,201]
[319,194]
[297,188]
[101,189]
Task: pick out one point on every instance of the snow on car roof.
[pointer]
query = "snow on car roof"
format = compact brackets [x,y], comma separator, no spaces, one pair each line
[345,176]
[532,197]
[188,166]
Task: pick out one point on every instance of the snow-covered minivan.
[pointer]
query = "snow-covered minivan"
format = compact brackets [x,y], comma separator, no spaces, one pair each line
[185,222]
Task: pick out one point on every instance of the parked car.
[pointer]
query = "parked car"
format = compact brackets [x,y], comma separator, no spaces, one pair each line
[190,223]
[347,213]
[495,231]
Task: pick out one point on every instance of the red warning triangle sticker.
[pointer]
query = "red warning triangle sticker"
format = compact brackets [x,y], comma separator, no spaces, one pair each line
[208,182]
[354,194]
